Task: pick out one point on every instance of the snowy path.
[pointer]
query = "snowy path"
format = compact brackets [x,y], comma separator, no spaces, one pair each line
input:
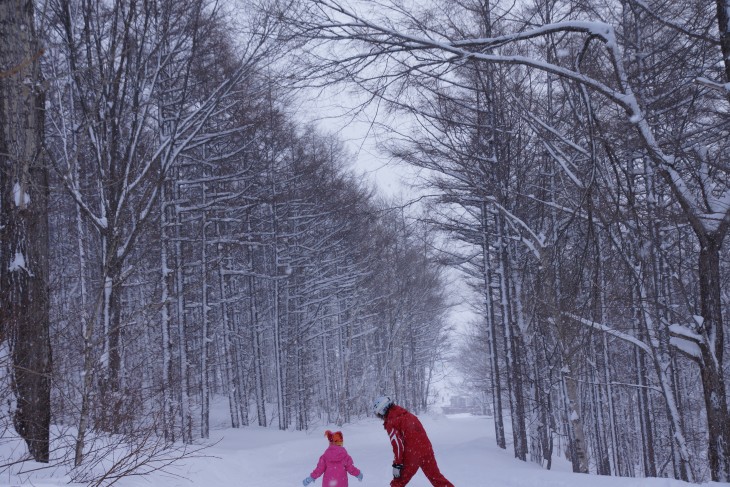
[465,450]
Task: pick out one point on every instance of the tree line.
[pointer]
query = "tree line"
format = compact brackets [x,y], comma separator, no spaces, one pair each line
[172,234]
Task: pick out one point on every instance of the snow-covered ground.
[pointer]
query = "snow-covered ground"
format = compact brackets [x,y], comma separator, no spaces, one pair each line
[464,445]
[267,457]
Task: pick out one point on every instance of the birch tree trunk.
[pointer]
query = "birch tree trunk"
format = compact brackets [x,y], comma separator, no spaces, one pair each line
[206,338]
[276,300]
[186,420]
[512,350]
[87,334]
[24,301]
[228,334]
[579,453]
[168,396]
[111,361]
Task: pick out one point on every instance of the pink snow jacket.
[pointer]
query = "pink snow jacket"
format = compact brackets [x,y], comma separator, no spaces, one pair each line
[335,464]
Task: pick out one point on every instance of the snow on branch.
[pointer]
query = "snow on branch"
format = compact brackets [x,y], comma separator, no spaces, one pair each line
[607,329]
[686,341]
[534,242]
[713,85]
[601,30]
[683,339]
[689,348]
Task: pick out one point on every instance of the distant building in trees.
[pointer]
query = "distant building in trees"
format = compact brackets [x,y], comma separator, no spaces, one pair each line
[465,404]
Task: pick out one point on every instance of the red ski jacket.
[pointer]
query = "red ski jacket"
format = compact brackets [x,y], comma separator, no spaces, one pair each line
[407,436]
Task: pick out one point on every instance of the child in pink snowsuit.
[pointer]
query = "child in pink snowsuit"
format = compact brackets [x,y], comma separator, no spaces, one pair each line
[334,463]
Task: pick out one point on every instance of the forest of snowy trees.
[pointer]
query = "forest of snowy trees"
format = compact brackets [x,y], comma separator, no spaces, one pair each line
[171,232]
[200,241]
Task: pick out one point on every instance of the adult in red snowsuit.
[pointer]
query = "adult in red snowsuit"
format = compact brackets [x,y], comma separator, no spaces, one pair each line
[411,448]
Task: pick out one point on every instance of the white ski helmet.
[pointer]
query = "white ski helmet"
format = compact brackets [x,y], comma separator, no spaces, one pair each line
[381,405]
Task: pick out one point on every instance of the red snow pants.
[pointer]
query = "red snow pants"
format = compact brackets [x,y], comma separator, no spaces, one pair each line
[430,470]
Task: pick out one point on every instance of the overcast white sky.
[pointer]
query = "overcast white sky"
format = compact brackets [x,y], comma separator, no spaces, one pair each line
[341,113]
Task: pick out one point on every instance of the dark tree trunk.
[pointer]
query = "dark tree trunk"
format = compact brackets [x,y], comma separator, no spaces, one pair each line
[713,383]
[647,431]
[723,20]
[24,225]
